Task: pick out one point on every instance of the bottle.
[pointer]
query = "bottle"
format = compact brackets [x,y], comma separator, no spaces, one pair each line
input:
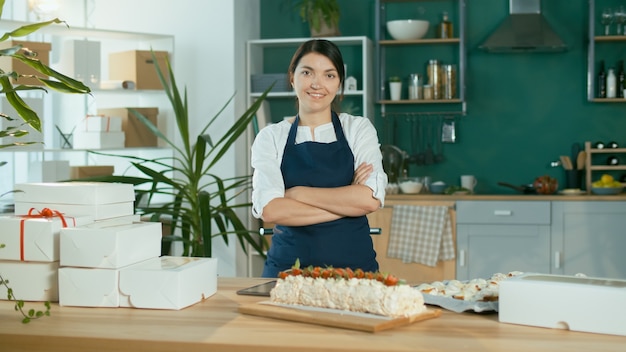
[621,77]
[444,29]
[601,81]
[611,84]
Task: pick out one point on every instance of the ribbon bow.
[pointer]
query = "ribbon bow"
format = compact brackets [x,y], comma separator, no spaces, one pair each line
[45,213]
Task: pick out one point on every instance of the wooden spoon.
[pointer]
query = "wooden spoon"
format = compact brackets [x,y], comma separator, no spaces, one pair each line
[581,159]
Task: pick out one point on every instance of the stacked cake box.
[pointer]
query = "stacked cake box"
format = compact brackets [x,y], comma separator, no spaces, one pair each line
[80,243]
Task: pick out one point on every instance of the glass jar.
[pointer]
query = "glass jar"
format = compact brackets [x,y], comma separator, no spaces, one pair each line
[434,78]
[415,86]
[428,92]
[449,81]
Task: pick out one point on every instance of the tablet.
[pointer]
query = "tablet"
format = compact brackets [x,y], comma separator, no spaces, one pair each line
[258,290]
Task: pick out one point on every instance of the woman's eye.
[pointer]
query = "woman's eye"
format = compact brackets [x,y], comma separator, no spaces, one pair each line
[330,75]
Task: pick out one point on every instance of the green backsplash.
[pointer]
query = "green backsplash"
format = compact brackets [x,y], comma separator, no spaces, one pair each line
[523,110]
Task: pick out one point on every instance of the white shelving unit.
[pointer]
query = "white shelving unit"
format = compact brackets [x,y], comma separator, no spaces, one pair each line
[67,111]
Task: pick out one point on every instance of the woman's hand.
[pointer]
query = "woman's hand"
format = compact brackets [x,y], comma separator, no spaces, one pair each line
[362,173]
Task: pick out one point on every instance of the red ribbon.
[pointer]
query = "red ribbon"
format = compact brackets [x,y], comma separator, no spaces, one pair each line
[45,213]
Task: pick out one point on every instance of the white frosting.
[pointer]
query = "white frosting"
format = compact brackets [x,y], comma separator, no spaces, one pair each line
[357,295]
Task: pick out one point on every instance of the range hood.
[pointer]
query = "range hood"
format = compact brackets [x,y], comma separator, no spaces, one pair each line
[524,30]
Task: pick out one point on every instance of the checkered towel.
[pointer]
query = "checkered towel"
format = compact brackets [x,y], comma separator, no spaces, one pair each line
[420,234]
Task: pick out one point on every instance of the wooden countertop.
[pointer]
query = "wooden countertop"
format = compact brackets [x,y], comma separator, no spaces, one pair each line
[215,325]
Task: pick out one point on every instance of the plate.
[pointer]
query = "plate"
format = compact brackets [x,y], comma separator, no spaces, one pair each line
[459,305]
[572,192]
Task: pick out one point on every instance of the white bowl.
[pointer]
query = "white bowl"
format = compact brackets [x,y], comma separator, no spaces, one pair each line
[410,185]
[407,29]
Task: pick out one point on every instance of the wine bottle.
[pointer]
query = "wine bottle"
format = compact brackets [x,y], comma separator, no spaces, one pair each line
[611,84]
[601,81]
[621,77]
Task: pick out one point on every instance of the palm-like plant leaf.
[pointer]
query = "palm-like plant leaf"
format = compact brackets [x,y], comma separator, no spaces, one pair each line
[203,204]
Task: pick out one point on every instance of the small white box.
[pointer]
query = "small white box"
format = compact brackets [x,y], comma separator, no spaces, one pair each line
[98,140]
[74,192]
[98,211]
[31,281]
[88,287]
[110,247]
[565,302]
[34,238]
[81,60]
[49,171]
[168,282]
[101,123]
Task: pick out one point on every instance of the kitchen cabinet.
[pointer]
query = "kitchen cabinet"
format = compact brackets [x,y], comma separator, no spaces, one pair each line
[591,163]
[413,273]
[601,47]
[416,53]
[502,236]
[271,57]
[81,52]
[589,238]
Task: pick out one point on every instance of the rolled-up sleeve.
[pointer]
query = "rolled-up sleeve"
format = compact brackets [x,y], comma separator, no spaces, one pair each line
[363,140]
[267,179]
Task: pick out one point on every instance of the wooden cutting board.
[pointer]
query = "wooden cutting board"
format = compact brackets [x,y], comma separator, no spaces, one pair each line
[334,318]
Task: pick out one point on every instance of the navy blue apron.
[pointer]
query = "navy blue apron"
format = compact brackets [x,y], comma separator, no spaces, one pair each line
[345,242]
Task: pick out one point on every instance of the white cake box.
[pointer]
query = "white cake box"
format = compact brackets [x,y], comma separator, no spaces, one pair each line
[101,200]
[168,282]
[87,193]
[88,287]
[31,281]
[102,123]
[98,211]
[565,302]
[99,140]
[32,238]
[110,247]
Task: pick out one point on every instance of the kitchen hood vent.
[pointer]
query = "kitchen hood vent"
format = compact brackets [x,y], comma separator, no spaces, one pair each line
[524,30]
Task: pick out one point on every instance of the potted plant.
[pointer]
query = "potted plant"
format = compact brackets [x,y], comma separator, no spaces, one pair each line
[322,16]
[203,205]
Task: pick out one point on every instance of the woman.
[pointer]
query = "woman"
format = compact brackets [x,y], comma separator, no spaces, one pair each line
[318,174]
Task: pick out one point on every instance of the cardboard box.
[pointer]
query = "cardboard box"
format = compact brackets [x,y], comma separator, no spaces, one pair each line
[110,247]
[31,281]
[98,140]
[564,302]
[139,67]
[36,50]
[88,287]
[34,238]
[49,171]
[77,172]
[101,123]
[137,134]
[89,193]
[168,282]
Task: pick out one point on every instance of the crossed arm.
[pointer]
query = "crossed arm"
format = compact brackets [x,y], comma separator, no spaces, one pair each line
[311,205]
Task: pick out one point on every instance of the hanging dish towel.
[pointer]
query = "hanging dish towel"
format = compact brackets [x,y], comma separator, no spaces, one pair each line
[420,234]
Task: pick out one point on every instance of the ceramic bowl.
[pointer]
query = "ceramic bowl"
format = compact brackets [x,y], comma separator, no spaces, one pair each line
[606,190]
[407,29]
[410,185]
[437,187]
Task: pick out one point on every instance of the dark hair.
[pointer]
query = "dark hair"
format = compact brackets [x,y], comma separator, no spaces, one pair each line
[323,47]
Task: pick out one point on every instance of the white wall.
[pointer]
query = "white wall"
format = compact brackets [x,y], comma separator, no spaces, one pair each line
[209,60]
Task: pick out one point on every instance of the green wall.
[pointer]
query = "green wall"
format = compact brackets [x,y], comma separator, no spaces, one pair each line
[523,110]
